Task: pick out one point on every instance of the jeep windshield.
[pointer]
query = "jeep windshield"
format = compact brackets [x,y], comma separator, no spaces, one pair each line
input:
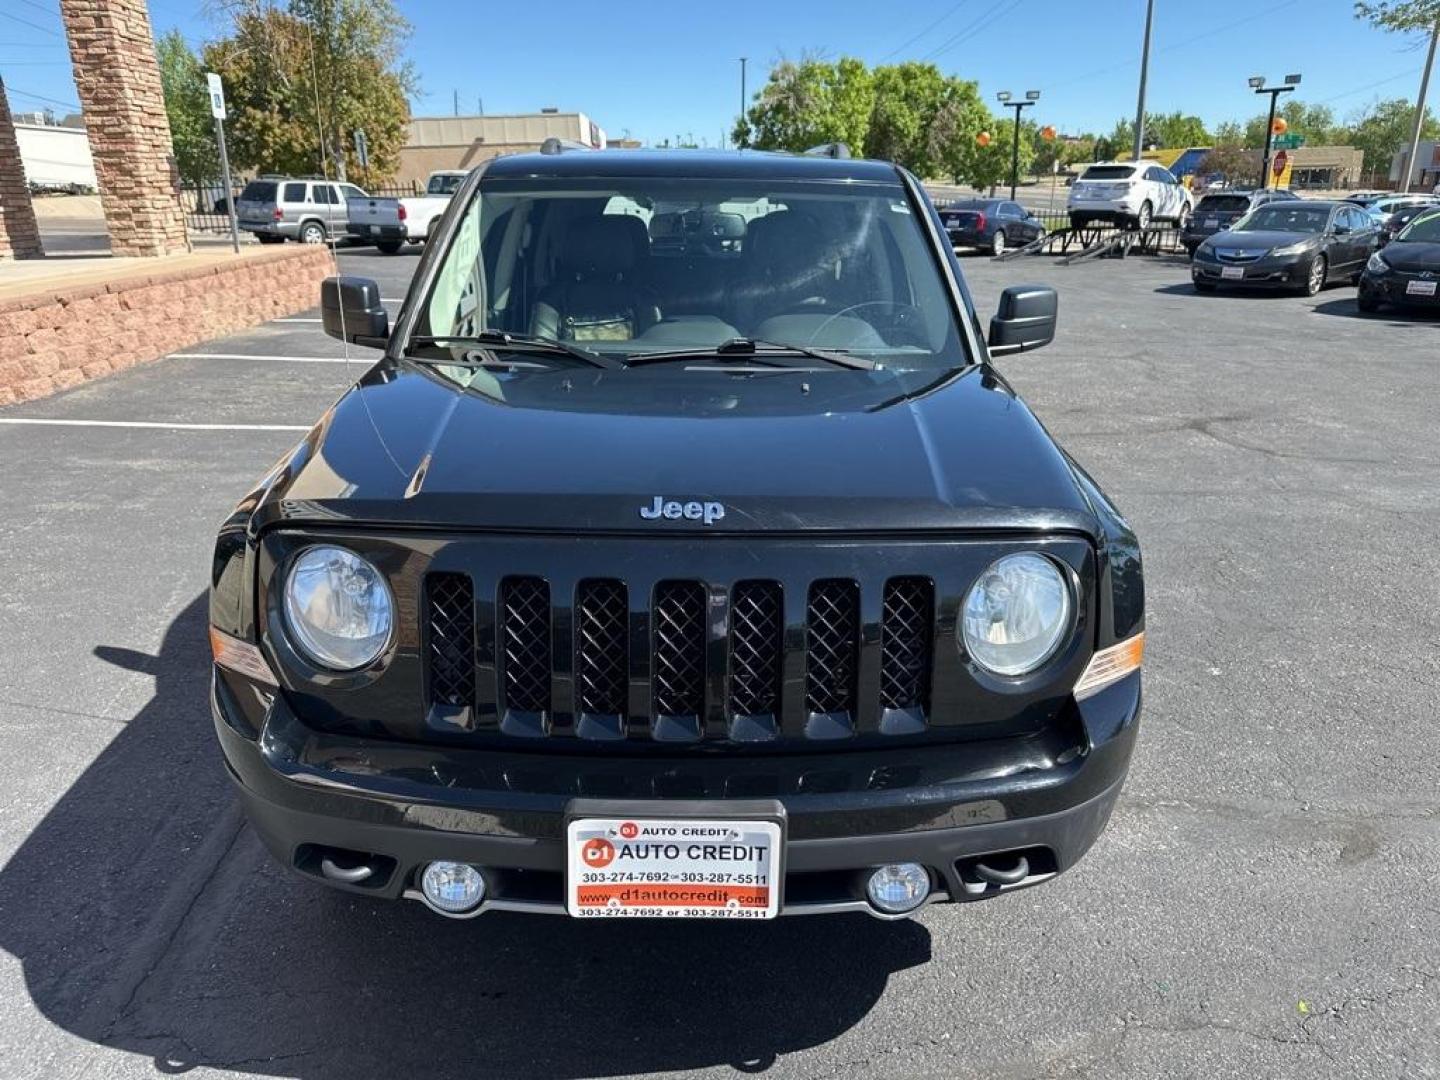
[675,267]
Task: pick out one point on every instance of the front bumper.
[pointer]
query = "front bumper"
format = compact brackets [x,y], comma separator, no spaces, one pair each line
[396,806]
[1268,271]
[1391,288]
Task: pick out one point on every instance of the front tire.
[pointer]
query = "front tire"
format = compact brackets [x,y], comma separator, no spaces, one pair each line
[312,232]
[1146,213]
[1315,279]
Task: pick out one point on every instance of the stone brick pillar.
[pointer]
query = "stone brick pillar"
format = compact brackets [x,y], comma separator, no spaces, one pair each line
[116,74]
[19,235]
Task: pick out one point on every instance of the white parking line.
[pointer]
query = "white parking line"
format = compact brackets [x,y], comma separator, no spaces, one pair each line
[366,361]
[151,424]
[295,320]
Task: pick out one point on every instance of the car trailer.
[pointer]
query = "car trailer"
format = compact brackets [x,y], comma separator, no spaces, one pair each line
[1079,243]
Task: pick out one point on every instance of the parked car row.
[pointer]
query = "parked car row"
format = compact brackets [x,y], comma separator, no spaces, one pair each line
[1301,245]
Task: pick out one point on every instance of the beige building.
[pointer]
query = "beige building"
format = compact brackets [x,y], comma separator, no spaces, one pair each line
[460,142]
[1325,167]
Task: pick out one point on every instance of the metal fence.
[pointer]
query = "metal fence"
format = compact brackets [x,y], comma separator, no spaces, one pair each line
[207,206]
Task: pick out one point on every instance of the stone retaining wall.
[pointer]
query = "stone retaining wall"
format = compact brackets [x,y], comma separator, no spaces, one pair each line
[58,336]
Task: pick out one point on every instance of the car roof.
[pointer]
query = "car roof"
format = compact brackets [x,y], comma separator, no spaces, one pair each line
[1127,164]
[970,204]
[713,164]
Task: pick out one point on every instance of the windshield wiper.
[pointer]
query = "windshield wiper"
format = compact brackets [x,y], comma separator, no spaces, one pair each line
[742,348]
[501,339]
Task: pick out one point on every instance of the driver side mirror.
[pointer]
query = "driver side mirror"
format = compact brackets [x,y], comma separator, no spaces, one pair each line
[350,309]
[1025,319]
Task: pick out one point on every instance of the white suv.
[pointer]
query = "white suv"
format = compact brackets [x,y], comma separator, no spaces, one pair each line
[1132,193]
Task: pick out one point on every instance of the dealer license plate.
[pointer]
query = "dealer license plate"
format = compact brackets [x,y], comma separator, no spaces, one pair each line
[686,868]
[1233,273]
[1212,223]
[1420,288]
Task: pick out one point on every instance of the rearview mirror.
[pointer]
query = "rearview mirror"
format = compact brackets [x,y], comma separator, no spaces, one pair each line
[1024,320]
[350,309]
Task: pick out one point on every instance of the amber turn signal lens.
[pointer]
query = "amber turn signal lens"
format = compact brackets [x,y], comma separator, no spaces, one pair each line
[1111,665]
[241,656]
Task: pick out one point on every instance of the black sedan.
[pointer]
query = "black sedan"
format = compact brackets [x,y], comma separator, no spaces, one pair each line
[1297,246]
[1407,271]
[990,224]
[1219,210]
[1396,222]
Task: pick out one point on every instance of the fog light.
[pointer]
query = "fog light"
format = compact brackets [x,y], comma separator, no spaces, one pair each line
[898,888]
[453,887]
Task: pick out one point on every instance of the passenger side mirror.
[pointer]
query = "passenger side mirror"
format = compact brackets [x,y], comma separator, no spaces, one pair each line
[1340,229]
[350,309]
[1024,320]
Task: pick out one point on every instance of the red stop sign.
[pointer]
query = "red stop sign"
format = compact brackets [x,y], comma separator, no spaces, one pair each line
[1281,160]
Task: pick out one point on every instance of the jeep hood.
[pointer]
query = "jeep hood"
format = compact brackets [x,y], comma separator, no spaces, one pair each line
[579,450]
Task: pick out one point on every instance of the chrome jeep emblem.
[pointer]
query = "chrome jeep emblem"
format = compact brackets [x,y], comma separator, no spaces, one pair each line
[674,510]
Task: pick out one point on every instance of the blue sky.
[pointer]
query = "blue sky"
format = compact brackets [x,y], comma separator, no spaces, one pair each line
[661,69]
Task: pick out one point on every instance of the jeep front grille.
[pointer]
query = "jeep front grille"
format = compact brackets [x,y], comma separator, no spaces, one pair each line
[832,644]
[602,648]
[905,644]
[757,626]
[450,641]
[525,644]
[678,651]
[689,662]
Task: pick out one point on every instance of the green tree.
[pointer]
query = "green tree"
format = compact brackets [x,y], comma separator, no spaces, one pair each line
[1176,130]
[187,107]
[1228,133]
[809,103]
[1315,123]
[989,166]
[907,98]
[1402,15]
[1239,167]
[1384,128]
[320,68]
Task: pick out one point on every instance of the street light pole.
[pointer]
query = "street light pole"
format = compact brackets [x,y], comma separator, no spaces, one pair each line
[1420,110]
[743,59]
[1031,96]
[1144,73]
[1257,83]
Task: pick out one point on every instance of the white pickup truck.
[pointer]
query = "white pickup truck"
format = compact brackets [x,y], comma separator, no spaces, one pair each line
[389,223]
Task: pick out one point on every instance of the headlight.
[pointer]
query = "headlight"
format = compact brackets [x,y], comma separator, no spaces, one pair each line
[1293,249]
[338,608]
[1377,265]
[1016,614]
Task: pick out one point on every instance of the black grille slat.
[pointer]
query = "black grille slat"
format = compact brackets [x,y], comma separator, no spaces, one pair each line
[602,648]
[450,638]
[756,648]
[678,660]
[832,638]
[525,644]
[905,628]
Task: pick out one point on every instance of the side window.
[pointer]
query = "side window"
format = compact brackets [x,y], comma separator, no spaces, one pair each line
[1359,219]
[294,193]
[1013,210]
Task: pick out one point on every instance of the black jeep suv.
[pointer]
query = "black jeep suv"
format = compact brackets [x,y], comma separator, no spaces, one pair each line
[683,555]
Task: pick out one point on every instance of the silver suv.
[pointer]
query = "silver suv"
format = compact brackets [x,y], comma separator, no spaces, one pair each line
[304,209]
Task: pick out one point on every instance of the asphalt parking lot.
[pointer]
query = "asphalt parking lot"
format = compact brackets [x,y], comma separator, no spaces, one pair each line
[1266,902]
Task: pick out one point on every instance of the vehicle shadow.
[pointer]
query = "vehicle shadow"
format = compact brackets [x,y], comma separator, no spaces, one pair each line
[1346,308]
[148,919]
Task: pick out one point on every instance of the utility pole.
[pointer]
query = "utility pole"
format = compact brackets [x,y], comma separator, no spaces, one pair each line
[1144,74]
[457,102]
[1257,83]
[1420,110]
[1031,96]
